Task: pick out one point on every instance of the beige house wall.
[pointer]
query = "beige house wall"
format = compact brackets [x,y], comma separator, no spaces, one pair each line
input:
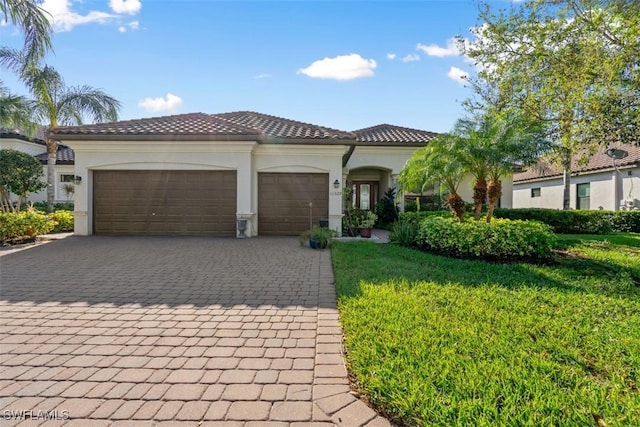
[608,188]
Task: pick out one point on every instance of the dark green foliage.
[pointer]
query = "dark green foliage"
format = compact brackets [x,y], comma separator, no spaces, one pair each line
[44,207]
[20,174]
[416,217]
[502,239]
[386,208]
[404,233]
[578,221]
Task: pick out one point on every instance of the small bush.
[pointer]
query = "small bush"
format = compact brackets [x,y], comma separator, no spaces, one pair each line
[24,226]
[578,221]
[416,217]
[404,233]
[44,207]
[499,240]
[63,219]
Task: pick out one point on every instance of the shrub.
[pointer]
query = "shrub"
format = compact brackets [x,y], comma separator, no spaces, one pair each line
[578,221]
[22,226]
[416,217]
[63,219]
[386,209]
[404,233]
[44,207]
[501,239]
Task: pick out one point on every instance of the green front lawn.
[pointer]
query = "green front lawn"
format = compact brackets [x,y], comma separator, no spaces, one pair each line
[437,341]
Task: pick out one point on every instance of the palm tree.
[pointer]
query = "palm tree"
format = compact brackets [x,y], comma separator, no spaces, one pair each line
[57,104]
[15,112]
[34,22]
[441,162]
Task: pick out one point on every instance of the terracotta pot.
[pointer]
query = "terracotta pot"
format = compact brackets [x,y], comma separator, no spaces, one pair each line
[365,232]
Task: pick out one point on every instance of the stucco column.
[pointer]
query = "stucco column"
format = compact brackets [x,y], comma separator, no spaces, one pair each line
[246,187]
[336,196]
[82,211]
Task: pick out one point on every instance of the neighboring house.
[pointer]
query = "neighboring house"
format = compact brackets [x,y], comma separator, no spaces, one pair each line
[602,183]
[200,173]
[38,148]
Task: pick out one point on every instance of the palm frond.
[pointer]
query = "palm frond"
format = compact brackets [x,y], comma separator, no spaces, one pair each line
[34,23]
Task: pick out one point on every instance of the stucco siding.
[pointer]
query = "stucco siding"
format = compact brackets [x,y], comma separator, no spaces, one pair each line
[607,189]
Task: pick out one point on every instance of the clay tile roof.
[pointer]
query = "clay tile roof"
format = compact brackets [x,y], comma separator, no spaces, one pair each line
[278,127]
[600,160]
[178,126]
[393,135]
[65,156]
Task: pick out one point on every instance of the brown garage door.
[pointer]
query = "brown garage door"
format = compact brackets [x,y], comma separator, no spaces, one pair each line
[164,202]
[284,199]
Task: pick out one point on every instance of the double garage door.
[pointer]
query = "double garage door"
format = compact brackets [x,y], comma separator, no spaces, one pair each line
[162,202]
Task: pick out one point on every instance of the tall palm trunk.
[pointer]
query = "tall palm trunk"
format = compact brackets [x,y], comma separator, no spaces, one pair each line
[457,205]
[494,191]
[479,196]
[52,154]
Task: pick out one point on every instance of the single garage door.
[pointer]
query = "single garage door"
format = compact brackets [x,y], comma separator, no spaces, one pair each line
[288,202]
[164,202]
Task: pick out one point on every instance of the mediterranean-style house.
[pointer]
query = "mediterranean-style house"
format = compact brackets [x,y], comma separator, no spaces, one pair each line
[64,169]
[231,174]
[610,181]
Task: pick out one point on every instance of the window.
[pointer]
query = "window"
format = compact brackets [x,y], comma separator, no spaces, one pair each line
[66,178]
[584,195]
[365,195]
[535,192]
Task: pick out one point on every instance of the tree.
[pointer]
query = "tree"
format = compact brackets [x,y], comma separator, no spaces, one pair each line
[15,112]
[573,65]
[57,104]
[440,161]
[20,174]
[490,145]
[34,23]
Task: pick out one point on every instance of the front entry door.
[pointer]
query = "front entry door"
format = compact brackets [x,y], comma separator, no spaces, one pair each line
[364,194]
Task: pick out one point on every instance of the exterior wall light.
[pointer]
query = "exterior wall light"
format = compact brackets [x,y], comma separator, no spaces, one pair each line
[77,179]
[336,184]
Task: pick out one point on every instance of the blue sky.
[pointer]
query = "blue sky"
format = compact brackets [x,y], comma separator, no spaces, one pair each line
[341,64]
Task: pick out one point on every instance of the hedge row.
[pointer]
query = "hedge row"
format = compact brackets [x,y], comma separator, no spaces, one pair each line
[562,222]
[501,239]
[26,225]
[577,221]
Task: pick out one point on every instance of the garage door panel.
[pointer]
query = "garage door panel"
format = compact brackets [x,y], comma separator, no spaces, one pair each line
[283,201]
[165,202]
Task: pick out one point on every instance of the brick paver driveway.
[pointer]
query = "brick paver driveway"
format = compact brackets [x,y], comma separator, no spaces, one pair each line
[172,331]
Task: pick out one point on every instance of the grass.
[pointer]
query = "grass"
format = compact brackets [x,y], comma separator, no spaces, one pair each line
[432,340]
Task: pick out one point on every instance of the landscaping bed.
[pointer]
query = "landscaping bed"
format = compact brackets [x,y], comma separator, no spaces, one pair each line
[432,340]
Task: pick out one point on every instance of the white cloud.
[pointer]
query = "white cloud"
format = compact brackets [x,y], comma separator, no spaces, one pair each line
[64,19]
[133,26]
[459,76]
[412,57]
[434,50]
[391,56]
[129,7]
[170,103]
[343,67]
[262,76]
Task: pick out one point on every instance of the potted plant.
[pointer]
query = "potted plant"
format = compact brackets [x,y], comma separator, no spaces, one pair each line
[318,237]
[366,223]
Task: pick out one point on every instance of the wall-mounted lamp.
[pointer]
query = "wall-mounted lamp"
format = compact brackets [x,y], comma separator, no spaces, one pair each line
[77,179]
[336,184]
